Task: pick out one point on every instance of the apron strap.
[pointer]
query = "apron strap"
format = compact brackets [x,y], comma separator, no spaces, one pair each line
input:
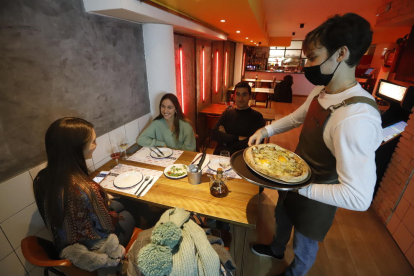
[354,100]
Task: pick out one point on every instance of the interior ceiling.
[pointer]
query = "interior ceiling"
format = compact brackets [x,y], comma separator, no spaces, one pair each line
[260,20]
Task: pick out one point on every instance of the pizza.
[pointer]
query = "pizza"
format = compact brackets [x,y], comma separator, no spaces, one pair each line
[276,162]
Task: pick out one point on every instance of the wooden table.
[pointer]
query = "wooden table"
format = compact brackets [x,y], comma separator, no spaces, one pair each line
[259,82]
[217,109]
[239,208]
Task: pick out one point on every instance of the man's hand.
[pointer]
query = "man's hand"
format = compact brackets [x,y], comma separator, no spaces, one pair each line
[222,129]
[258,136]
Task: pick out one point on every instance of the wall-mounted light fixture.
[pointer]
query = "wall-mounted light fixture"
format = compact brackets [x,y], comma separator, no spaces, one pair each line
[217,68]
[225,72]
[181,77]
[204,93]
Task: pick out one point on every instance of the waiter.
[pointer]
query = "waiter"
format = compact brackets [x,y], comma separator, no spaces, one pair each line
[341,132]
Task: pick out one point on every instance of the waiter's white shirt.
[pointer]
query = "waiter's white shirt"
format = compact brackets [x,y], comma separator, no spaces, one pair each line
[352,134]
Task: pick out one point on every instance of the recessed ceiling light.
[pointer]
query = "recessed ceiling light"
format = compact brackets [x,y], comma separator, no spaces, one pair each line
[247,38]
[238,32]
[251,40]
[222,20]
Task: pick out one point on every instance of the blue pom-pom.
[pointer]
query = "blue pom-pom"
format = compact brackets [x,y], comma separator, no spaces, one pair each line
[167,234]
[155,260]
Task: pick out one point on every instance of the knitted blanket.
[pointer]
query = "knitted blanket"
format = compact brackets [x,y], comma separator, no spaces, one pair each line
[104,256]
[185,251]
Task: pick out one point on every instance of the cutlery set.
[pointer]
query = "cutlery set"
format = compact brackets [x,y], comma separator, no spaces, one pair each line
[158,153]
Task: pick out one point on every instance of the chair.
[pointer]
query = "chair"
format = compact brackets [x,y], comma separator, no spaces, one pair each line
[260,97]
[41,252]
[211,121]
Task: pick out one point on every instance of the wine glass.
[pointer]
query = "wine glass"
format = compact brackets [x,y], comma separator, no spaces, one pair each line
[224,161]
[124,146]
[115,155]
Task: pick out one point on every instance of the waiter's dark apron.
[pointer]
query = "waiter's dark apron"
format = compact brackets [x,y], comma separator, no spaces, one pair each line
[313,218]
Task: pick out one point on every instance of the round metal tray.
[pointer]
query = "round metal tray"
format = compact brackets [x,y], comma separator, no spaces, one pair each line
[240,167]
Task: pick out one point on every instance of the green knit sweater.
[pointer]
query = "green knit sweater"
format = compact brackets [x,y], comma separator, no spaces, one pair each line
[159,134]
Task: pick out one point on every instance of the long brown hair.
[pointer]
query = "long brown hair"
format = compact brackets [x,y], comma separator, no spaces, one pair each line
[179,115]
[65,141]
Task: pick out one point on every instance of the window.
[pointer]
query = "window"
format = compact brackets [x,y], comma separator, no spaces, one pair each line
[287,56]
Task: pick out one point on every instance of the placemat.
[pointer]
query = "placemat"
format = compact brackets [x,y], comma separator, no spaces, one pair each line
[143,156]
[108,182]
[230,173]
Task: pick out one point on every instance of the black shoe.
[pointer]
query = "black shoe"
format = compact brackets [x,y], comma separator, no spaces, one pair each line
[265,251]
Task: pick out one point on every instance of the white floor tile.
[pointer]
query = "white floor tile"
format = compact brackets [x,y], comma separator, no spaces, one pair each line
[39,271]
[103,148]
[5,247]
[132,131]
[27,222]
[15,194]
[33,172]
[12,266]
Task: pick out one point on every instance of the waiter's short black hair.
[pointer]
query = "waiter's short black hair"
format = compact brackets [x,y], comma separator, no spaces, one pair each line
[243,84]
[349,30]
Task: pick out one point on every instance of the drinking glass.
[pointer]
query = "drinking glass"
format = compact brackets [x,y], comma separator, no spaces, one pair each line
[115,155]
[124,146]
[224,161]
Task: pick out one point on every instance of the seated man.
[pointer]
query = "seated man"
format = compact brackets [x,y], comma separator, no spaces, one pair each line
[237,123]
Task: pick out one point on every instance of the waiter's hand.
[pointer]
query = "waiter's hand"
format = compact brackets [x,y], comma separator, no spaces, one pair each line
[258,136]
[222,129]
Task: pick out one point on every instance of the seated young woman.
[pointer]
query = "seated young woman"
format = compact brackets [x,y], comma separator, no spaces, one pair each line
[74,208]
[170,128]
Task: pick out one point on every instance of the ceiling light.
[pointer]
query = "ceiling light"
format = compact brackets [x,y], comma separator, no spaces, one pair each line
[251,40]
[238,32]
[247,38]
[222,20]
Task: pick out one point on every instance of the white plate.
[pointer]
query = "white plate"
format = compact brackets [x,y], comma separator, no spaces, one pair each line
[182,167]
[167,153]
[206,161]
[214,165]
[127,179]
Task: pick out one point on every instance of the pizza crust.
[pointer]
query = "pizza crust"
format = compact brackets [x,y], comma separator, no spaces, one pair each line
[276,162]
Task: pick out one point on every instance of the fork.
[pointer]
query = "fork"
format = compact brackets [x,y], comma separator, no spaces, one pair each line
[146,178]
[145,187]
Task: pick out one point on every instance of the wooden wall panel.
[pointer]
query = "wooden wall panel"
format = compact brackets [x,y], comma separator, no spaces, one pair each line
[202,130]
[189,80]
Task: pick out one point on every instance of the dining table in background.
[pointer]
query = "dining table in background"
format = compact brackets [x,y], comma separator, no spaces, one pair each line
[217,109]
[267,91]
[239,208]
[258,82]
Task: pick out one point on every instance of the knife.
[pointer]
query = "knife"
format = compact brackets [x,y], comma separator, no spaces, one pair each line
[160,151]
[146,185]
[155,152]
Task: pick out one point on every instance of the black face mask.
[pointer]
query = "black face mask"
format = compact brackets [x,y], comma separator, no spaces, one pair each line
[315,76]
